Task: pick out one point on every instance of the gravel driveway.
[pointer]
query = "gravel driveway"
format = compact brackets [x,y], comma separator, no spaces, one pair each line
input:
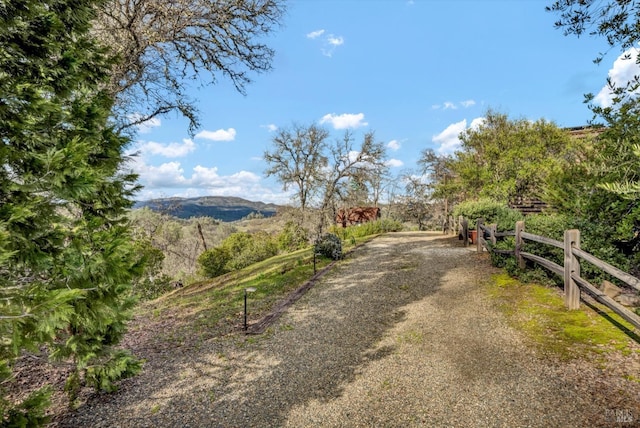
[400,334]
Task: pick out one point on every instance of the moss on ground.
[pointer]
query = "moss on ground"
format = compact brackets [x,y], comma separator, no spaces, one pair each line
[540,312]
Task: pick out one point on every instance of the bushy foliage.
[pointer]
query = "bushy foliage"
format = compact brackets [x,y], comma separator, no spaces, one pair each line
[178,239]
[152,282]
[601,191]
[66,254]
[553,226]
[239,250]
[504,158]
[237,242]
[592,240]
[492,212]
[367,229]
[293,237]
[254,215]
[213,262]
[246,249]
[329,245]
[29,413]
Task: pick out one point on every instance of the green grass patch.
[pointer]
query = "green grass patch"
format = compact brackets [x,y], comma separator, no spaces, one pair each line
[540,312]
[411,337]
[216,307]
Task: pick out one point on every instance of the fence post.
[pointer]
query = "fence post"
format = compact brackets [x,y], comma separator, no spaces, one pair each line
[493,229]
[465,232]
[571,266]
[479,223]
[519,244]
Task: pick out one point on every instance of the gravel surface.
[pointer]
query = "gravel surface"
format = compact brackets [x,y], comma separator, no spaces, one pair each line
[400,334]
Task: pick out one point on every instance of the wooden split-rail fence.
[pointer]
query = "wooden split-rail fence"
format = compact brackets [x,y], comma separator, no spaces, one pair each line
[570,272]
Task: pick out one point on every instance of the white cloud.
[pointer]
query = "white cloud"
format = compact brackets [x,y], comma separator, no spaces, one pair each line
[219,135]
[330,45]
[168,174]
[335,40]
[394,163]
[622,72]
[270,127]
[344,120]
[448,139]
[172,150]
[449,105]
[328,42]
[172,175]
[394,145]
[477,122]
[208,178]
[315,34]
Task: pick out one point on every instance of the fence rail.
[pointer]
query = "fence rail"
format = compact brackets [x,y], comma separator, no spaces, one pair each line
[570,271]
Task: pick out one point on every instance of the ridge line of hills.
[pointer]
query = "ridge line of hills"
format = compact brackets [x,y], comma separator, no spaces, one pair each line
[224,208]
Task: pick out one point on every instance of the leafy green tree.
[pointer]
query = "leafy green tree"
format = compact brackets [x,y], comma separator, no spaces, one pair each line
[614,20]
[504,158]
[152,283]
[66,258]
[604,187]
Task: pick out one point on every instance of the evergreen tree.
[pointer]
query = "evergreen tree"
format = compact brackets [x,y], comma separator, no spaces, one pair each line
[66,259]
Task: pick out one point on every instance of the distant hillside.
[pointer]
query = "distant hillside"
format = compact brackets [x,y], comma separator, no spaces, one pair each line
[219,207]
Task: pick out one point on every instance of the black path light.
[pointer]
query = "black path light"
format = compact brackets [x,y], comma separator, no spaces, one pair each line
[247,290]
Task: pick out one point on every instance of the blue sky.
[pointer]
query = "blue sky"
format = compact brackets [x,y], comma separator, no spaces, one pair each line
[416,73]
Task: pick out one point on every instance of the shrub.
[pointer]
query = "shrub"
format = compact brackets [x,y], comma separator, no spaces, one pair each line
[257,247]
[492,212]
[551,226]
[237,242]
[213,262]
[238,251]
[254,215]
[369,228]
[595,239]
[152,287]
[151,283]
[329,245]
[293,237]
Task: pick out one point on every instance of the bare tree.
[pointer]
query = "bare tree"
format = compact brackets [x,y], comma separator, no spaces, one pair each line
[436,168]
[416,198]
[302,158]
[348,162]
[163,46]
[297,159]
[378,183]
